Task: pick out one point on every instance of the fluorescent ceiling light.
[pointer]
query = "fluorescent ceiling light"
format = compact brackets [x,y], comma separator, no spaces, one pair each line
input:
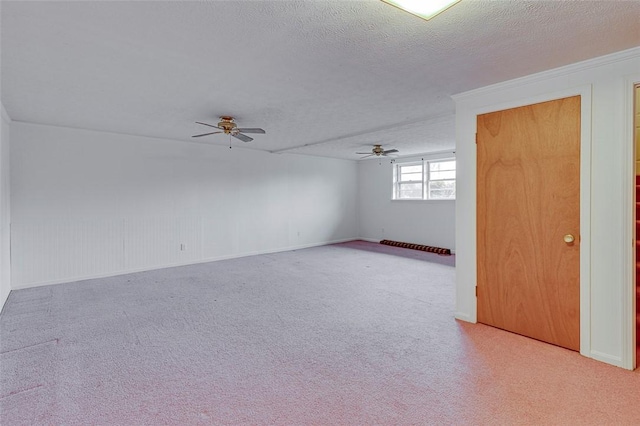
[425,9]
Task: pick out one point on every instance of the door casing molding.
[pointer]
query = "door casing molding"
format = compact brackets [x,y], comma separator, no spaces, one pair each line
[585,93]
[628,304]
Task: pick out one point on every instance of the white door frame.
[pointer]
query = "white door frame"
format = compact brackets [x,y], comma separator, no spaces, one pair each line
[629,360]
[585,195]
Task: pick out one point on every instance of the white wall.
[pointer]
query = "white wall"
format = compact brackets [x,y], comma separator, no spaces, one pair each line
[419,222]
[5,200]
[607,297]
[5,209]
[87,204]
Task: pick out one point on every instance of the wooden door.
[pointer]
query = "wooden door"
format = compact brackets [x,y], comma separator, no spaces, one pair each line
[528,201]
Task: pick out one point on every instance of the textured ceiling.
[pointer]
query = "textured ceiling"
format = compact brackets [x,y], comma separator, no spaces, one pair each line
[330,77]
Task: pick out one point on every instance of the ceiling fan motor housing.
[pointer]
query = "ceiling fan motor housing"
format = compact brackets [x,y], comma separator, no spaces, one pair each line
[226,123]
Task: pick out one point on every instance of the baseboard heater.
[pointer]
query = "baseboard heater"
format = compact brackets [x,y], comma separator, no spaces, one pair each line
[437,250]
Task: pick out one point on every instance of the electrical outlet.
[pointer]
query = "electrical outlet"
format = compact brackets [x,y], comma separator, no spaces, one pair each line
[183,247]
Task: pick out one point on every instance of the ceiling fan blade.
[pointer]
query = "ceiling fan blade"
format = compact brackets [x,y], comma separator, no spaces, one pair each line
[364,152]
[251,130]
[243,138]
[389,151]
[370,155]
[210,125]
[205,134]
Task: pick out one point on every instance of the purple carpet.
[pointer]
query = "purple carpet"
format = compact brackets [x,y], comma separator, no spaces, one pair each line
[233,341]
[342,334]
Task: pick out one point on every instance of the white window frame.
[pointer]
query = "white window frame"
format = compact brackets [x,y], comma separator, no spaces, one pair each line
[426,178]
[397,182]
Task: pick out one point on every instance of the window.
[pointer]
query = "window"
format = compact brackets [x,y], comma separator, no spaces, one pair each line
[441,182]
[410,181]
[425,180]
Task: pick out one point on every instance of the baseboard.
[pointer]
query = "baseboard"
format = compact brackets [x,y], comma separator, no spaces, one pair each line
[370,240]
[5,115]
[464,317]
[607,358]
[3,302]
[173,265]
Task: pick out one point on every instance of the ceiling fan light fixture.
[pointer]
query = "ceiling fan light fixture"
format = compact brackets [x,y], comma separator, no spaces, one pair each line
[228,126]
[425,9]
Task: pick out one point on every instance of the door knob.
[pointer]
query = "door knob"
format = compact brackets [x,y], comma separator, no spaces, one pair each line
[569,238]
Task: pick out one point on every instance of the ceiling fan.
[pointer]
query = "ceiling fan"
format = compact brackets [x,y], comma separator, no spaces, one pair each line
[229,127]
[378,151]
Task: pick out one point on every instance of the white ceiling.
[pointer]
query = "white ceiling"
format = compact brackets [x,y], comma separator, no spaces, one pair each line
[336,75]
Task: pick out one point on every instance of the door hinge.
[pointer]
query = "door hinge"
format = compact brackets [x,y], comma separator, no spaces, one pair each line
[476,139]
[476,291]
